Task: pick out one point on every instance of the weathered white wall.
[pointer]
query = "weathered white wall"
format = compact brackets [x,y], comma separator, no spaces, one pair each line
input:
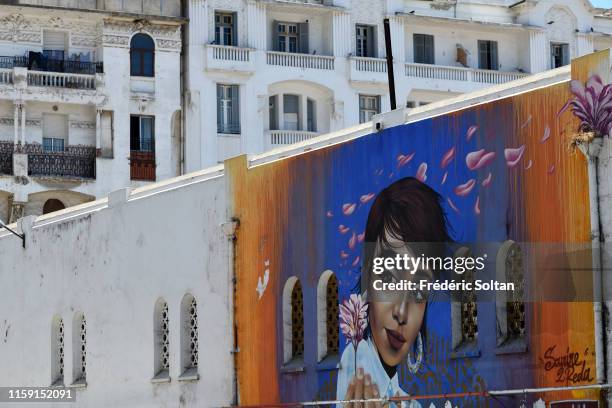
[112,264]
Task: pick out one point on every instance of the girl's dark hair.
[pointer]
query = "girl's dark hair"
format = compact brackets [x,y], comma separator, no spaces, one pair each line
[409,211]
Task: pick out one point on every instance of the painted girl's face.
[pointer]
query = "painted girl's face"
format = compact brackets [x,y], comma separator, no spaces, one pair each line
[395,322]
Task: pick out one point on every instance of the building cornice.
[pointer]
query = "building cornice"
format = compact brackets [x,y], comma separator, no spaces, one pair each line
[416,18]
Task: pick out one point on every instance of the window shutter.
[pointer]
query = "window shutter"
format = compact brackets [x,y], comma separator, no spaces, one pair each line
[429,49]
[275,36]
[235,113]
[418,48]
[273,119]
[566,54]
[219,108]
[371,43]
[482,54]
[54,40]
[303,33]
[494,61]
[234,29]
[55,126]
[134,133]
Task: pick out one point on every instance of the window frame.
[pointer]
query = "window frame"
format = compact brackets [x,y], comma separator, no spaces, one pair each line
[140,135]
[491,62]
[365,42]
[365,112]
[428,54]
[226,122]
[231,27]
[565,57]
[139,52]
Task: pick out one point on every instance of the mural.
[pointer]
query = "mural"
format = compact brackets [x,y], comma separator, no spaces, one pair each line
[505,172]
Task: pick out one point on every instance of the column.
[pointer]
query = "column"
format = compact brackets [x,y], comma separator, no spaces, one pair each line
[256,25]
[538,51]
[396,26]
[341,32]
[98,133]
[23,124]
[16,122]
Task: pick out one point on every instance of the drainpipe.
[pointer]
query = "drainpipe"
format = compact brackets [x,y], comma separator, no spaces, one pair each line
[229,228]
[592,152]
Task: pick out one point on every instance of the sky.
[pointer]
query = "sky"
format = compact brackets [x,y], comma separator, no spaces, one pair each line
[602,3]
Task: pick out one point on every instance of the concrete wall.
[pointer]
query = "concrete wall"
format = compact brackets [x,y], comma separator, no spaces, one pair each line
[112,262]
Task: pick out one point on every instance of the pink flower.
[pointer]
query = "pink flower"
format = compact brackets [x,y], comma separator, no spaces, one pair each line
[592,104]
[480,158]
[353,319]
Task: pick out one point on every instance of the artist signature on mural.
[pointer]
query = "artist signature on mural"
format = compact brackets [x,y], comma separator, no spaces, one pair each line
[568,366]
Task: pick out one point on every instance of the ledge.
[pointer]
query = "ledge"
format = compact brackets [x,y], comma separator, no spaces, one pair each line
[330,362]
[294,366]
[469,350]
[80,383]
[514,346]
[161,377]
[191,374]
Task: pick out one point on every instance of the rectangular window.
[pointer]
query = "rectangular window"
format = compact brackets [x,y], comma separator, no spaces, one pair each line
[311,117]
[369,105]
[142,133]
[487,55]
[291,37]
[291,112]
[366,42]
[273,112]
[228,109]
[55,132]
[559,55]
[225,28]
[423,48]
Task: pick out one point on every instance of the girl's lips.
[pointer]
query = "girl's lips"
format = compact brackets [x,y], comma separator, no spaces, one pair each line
[396,340]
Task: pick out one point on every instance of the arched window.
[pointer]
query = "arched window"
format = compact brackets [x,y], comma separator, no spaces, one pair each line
[79,349]
[464,308]
[293,320]
[510,305]
[142,56]
[161,333]
[52,205]
[57,351]
[327,315]
[189,337]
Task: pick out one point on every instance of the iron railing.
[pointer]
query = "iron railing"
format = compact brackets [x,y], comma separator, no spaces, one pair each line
[39,62]
[6,157]
[75,161]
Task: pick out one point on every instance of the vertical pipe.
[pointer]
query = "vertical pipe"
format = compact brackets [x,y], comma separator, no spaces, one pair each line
[390,63]
[23,124]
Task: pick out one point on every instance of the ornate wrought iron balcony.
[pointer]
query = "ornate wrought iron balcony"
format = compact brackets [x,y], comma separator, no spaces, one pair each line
[6,157]
[75,162]
[43,64]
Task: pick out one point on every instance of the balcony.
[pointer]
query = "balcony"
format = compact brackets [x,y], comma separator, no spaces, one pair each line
[364,69]
[276,138]
[228,58]
[6,157]
[142,165]
[37,62]
[457,78]
[295,60]
[74,162]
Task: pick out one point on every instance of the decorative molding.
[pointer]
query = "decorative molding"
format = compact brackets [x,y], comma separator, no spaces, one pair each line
[83,41]
[116,40]
[29,122]
[56,22]
[82,124]
[169,44]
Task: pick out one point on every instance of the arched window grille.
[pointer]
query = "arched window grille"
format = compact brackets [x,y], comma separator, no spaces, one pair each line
[189,336]
[162,338]
[464,308]
[327,315]
[79,347]
[57,351]
[510,304]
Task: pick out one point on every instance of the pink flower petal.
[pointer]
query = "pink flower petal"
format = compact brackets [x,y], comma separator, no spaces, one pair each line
[478,159]
[343,229]
[487,180]
[329,214]
[526,123]
[551,169]
[470,132]
[452,205]
[529,164]
[349,208]
[448,157]
[403,160]
[514,155]
[343,255]
[421,174]
[464,189]
[355,262]
[546,135]
[477,206]
[444,177]
[360,237]
[366,197]
[352,241]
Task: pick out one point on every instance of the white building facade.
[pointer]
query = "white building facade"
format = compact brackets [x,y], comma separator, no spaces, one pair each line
[266,73]
[90,100]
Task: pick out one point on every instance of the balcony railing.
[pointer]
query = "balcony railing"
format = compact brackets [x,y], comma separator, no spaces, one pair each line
[74,162]
[228,58]
[6,157]
[306,61]
[6,76]
[460,74]
[37,62]
[142,165]
[369,64]
[61,80]
[285,137]
[229,53]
